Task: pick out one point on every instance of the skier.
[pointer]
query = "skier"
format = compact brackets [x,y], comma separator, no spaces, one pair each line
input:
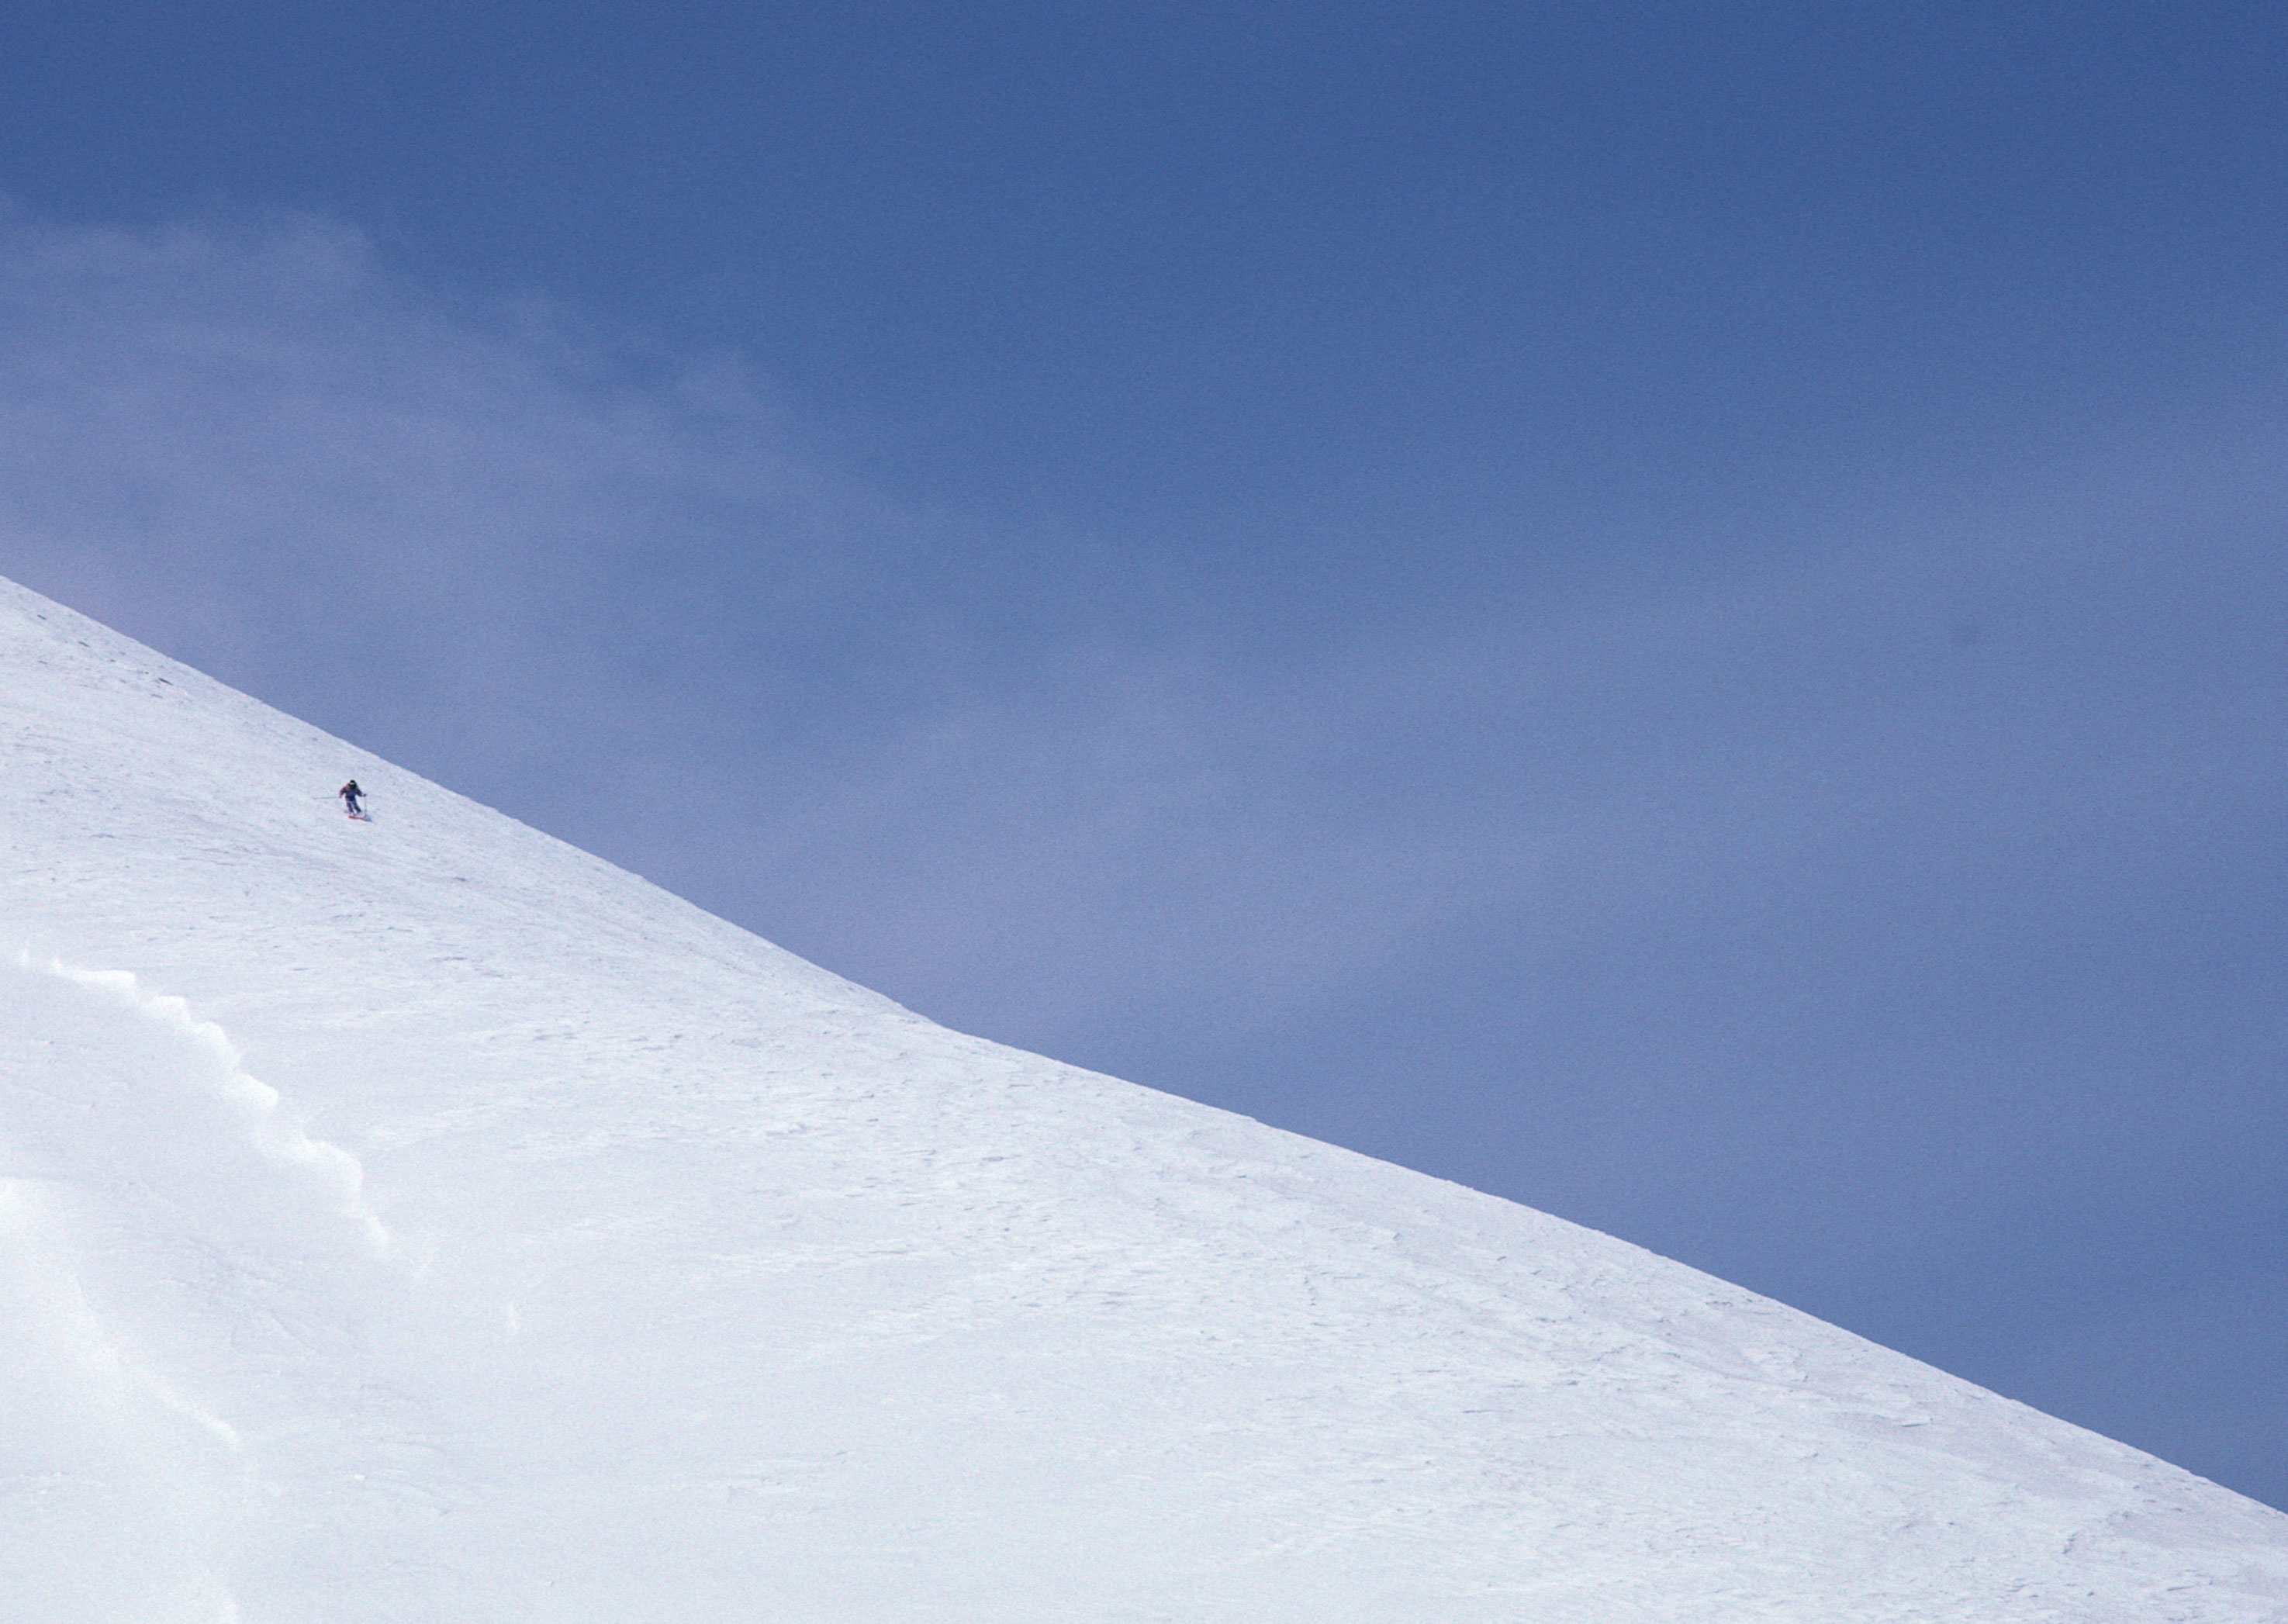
[349,794]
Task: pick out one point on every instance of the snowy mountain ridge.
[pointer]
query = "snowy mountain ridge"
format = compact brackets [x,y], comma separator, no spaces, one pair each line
[427,1221]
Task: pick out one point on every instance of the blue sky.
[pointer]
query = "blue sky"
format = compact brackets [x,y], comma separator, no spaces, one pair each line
[1672,611]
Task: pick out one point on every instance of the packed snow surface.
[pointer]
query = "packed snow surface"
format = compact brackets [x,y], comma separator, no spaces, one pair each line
[424,1221]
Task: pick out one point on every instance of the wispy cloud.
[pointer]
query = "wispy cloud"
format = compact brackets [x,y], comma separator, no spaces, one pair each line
[291,466]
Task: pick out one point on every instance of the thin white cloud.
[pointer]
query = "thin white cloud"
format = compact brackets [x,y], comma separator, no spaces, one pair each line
[267,452]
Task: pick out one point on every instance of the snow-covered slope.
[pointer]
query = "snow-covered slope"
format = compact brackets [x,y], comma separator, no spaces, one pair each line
[425,1221]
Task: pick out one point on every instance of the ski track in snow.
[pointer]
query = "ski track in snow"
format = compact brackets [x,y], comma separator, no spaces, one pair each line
[82,1336]
[138,1486]
[257,1102]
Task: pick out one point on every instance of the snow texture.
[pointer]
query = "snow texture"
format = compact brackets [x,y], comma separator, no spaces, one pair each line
[425,1221]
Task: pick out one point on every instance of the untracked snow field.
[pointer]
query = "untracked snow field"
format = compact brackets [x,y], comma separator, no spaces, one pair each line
[424,1221]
